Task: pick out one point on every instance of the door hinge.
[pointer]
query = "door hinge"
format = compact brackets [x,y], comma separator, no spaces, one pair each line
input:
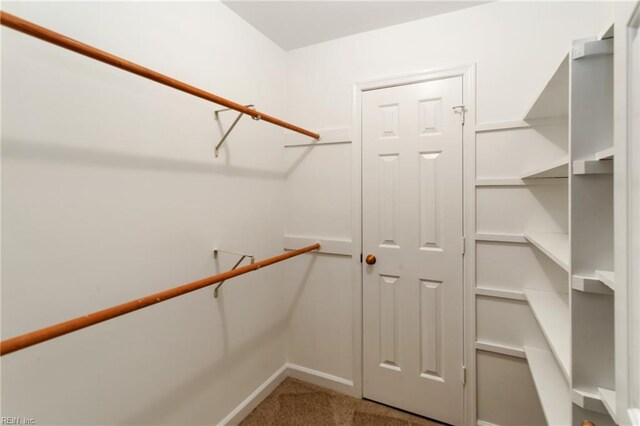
[460,109]
[464,244]
[464,374]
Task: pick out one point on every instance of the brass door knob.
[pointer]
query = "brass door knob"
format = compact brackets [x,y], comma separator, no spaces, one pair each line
[370,259]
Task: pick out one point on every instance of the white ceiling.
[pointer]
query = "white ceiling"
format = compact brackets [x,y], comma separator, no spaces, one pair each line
[293,24]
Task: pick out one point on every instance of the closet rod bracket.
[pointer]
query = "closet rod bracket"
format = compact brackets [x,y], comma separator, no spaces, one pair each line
[228,132]
[243,256]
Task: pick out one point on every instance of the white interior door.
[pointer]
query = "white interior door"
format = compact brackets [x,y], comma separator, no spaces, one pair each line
[412,223]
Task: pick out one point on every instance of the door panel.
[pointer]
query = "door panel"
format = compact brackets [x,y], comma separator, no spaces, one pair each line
[412,223]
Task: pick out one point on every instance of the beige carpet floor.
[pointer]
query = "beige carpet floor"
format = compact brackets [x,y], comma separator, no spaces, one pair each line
[298,403]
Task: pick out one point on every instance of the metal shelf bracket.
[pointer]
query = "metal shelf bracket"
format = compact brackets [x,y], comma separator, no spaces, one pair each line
[243,256]
[228,132]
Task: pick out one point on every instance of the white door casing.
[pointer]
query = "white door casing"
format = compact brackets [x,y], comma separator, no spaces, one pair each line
[412,221]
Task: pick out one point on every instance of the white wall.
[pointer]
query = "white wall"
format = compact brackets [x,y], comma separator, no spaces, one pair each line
[517,46]
[110,191]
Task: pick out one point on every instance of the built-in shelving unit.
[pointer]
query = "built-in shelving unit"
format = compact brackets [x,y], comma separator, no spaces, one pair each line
[551,386]
[575,378]
[591,155]
[551,310]
[553,244]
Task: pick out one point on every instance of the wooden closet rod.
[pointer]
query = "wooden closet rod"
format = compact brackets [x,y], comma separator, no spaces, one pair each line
[19,24]
[48,333]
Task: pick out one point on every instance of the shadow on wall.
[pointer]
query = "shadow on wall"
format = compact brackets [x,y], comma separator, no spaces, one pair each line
[52,152]
[161,409]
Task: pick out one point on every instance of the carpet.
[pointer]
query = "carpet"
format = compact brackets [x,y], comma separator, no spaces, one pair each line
[298,403]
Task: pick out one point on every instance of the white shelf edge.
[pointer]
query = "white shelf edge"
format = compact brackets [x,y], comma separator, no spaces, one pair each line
[608,278]
[590,285]
[592,48]
[607,32]
[521,124]
[553,317]
[500,349]
[608,397]
[500,293]
[502,238]
[605,154]
[516,181]
[592,167]
[500,182]
[588,400]
[554,245]
[552,389]
[502,125]
[556,169]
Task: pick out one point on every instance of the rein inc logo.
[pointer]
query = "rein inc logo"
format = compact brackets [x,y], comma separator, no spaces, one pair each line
[7,420]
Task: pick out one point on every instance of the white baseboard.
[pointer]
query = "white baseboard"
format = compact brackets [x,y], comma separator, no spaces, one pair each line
[483,423]
[257,396]
[324,380]
[305,374]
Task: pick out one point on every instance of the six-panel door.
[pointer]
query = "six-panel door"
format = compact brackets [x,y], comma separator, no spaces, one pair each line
[412,223]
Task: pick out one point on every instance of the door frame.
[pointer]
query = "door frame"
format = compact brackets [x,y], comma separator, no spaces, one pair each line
[468,74]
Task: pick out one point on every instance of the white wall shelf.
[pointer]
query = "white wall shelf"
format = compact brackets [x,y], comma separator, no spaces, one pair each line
[592,167]
[606,33]
[590,285]
[608,278]
[553,100]
[556,169]
[593,48]
[518,182]
[605,154]
[502,238]
[552,313]
[551,386]
[521,124]
[609,400]
[500,349]
[555,245]
[500,293]
[588,400]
